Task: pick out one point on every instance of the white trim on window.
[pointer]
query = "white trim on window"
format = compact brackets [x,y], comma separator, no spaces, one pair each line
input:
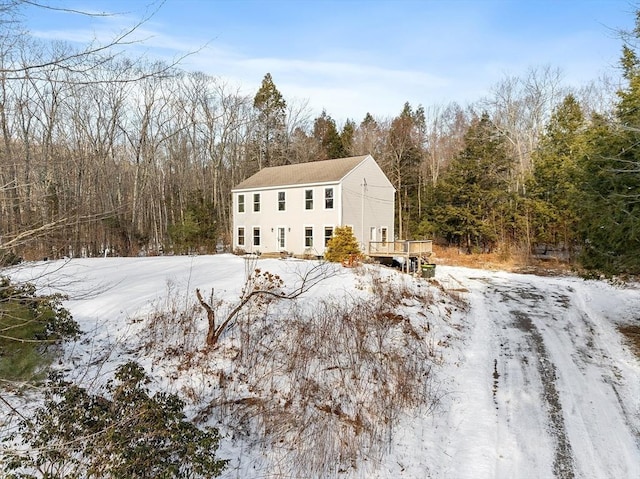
[308,200]
[325,229]
[329,198]
[240,237]
[308,239]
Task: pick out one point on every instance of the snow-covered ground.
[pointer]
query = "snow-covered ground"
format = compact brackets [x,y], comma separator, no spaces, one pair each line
[532,378]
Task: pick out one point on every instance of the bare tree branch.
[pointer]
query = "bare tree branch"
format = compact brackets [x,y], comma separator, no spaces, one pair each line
[263,284]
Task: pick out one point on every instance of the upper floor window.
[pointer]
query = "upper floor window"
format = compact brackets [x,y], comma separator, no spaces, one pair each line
[281,201]
[240,203]
[328,198]
[308,199]
[256,202]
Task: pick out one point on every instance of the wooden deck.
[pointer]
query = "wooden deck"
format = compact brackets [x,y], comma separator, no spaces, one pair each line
[419,250]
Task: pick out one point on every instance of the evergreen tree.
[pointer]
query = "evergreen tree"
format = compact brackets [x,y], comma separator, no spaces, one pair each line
[474,205]
[271,129]
[346,137]
[326,134]
[610,201]
[551,190]
[197,228]
[403,156]
[342,246]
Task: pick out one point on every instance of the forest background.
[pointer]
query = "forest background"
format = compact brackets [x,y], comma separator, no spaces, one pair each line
[105,154]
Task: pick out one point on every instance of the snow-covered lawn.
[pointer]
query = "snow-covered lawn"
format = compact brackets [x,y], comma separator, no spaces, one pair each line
[528,377]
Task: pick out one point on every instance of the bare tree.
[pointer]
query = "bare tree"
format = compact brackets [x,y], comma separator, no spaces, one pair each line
[520,108]
[261,286]
[47,124]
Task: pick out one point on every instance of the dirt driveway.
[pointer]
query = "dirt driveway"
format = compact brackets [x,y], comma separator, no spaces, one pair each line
[545,387]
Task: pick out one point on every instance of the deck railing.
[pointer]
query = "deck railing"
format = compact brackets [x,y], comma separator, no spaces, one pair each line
[400,248]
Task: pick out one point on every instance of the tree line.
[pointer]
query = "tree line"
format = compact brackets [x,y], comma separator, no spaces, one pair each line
[112,155]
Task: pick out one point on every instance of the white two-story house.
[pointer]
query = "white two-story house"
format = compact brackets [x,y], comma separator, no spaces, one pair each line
[295,208]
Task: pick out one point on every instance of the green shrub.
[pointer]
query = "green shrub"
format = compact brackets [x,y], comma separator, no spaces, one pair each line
[342,246]
[28,325]
[129,434]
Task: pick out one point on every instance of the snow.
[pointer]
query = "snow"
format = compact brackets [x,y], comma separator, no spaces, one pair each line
[531,376]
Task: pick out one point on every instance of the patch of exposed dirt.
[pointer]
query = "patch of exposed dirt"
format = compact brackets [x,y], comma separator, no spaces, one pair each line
[632,333]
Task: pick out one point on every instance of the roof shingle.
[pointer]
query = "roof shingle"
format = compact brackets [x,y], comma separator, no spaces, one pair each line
[302,173]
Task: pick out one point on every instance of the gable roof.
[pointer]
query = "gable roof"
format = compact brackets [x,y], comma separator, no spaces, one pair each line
[302,173]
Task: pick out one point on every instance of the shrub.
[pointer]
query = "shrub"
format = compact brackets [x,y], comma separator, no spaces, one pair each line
[29,323]
[342,246]
[131,434]
[9,258]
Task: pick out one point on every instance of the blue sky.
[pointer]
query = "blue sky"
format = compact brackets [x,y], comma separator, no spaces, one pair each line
[351,57]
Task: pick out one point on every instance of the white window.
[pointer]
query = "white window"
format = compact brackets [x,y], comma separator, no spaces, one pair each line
[256,236]
[328,233]
[240,203]
[308,199]
[241,236]
[328,198]
[256,202]
[308,237]
[281,201]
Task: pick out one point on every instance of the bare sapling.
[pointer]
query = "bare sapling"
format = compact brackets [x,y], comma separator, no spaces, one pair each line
[261,286]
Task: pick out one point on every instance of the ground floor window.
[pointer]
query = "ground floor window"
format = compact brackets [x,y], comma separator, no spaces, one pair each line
[328,233]
[383,234]
[256,236]
[241,236]
[281,238]
[308,237]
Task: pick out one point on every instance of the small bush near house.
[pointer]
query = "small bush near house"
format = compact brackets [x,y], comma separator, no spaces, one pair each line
[342,246]
[128,434]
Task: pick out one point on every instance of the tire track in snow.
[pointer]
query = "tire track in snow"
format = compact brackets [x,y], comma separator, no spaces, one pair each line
[545,387]
[529,298]
[563,458]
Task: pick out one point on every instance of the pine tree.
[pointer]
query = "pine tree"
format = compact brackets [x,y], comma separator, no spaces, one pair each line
[271,130]
[610,168]
[475,208]
[326,134]
[551,193]
[346,137]
[403,155]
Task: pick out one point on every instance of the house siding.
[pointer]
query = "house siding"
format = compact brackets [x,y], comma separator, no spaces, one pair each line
[374,210]
[294,218]
[368,202]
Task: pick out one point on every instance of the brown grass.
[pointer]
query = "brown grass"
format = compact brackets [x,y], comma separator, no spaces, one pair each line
[632,334]
[514,261]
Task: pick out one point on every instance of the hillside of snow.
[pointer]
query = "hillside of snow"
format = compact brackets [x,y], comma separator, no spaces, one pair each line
[371,373]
